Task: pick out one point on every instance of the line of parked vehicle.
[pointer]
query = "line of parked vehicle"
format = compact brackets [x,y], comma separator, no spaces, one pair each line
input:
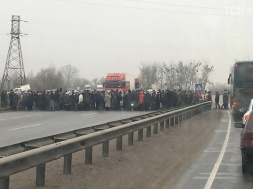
[246,142]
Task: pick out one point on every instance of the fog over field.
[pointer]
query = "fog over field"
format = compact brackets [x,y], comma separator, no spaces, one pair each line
[102,36]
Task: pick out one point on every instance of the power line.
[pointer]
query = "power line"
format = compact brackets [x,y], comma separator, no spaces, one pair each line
[152,9]
[121,43]
[141,8]
[177,5]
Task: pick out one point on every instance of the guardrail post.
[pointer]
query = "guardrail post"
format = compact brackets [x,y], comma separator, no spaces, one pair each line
[131,139]
[156,128]
[162,125]
[192,113]
[119,143]
[167,123]
[148,131]
[105,150]
[67,164]
[40,174]
[187,115]
[172,121]
[140,134]
[176,119]
[88,155]
[180,118]
[4,183]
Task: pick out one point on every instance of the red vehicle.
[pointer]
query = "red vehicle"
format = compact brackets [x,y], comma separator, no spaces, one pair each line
[121,81]
[246,144]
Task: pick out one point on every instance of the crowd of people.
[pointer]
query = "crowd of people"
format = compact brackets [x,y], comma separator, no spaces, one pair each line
[98,100]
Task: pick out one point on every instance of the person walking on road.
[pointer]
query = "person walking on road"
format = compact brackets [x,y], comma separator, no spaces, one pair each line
[225,100]
[217,99]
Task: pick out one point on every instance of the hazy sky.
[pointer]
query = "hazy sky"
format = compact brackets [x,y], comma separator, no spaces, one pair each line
[101,36]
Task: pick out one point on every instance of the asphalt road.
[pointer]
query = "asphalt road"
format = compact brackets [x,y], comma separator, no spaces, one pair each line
[202,152]
[20,126]
[219,165]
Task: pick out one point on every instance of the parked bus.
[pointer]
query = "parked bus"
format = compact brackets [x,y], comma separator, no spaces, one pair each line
[241,87]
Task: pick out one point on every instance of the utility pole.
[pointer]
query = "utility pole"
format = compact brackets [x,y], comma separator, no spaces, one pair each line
[14,72]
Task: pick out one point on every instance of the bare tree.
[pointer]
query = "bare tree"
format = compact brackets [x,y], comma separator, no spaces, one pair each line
[69,74]
[206,70]
[80,83]
[48,78]
[177,76]
[148,74]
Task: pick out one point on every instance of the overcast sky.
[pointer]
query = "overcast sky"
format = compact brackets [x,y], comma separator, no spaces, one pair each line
[102,36]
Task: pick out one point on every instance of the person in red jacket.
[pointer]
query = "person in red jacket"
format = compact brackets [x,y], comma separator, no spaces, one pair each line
[141,100]
[209,97]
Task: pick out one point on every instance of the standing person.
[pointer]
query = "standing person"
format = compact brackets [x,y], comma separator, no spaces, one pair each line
[217,99]
[57,101]
[29,100]
[51,102]
[153,105]
[108,98]
[100,101]
[147,100]
[179,98]
[209,98]
[80,101]
[11,95]
[141,101]
[3,99]
[15,101]
[125,101]
[158,99]
[225,100]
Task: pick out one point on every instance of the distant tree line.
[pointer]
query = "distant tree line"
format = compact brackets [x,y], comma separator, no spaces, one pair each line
[66,77]
[174,75]
[170,76]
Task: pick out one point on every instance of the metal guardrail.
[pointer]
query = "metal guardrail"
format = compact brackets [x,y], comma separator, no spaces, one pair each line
[67,144]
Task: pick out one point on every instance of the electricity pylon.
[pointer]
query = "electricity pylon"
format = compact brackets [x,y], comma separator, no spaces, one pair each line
[14,72]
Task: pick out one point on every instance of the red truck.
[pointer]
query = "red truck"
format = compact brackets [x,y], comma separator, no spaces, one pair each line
[121,81]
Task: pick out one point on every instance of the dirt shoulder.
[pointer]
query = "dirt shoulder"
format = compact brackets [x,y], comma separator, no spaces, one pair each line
[154,162]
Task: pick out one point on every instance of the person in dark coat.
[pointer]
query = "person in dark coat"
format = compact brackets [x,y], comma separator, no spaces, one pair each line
[29,101]
[100,101]
[118,99]
[57,101]
[147,100]
[153,103]
[15,101]
[52,99]
[125,101]
[158,99]
[217,99]
[11,96]
[3,99]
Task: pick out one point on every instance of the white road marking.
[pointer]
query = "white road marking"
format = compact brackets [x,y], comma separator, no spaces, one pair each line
[217,151]
[220,131]
[25,127]
[208,151]
[219,178]
[89,114]
[217,173]
[222,152]
[19,117]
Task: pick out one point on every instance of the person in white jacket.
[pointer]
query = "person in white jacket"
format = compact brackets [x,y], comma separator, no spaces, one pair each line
[80,101]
